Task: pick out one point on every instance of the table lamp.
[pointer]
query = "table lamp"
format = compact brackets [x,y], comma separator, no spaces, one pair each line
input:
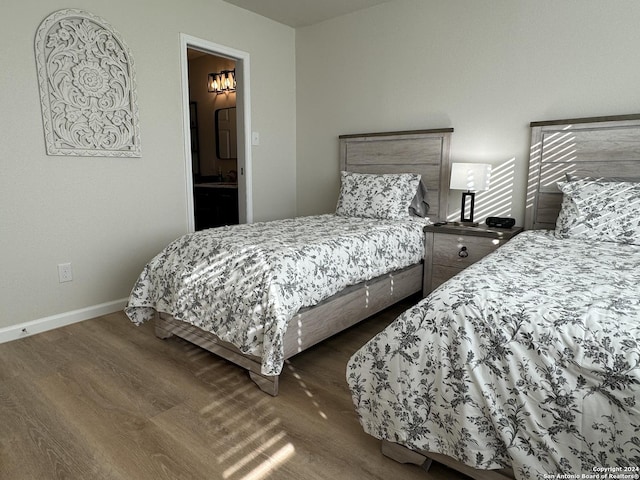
[472,177]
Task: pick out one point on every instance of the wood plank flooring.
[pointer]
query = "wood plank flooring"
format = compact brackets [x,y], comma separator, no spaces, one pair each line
[104,399]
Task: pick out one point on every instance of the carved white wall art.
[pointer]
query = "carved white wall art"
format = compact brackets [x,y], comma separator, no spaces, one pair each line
[87,87]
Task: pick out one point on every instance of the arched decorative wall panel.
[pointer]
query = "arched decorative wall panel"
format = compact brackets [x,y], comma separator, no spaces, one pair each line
[87,87]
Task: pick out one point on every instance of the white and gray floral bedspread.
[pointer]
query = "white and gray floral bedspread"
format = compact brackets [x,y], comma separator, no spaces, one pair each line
[245,282]
[530,358]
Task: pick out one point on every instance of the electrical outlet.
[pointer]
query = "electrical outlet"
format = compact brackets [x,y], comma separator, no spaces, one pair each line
[65,274]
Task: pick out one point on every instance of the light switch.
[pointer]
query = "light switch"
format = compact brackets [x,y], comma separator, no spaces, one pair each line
[255,138]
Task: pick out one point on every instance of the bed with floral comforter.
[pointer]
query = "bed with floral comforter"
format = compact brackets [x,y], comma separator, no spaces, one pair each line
[245,282]
[529,359]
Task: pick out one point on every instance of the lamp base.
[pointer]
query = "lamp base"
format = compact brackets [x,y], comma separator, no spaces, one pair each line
[468,202]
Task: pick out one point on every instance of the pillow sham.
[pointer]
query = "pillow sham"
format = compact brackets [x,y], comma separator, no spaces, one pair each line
[419,206]
[384,196]
[602,211]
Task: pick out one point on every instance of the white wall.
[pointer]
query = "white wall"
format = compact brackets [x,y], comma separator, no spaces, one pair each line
[108,216]
[487,68]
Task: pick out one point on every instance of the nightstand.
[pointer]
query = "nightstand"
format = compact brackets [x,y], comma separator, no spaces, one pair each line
[451,248]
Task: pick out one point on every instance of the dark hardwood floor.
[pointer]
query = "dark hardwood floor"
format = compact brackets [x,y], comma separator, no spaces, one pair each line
[104,399]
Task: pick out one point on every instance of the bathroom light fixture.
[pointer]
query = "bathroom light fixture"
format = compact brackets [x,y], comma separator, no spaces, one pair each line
[472,177]
[222,82]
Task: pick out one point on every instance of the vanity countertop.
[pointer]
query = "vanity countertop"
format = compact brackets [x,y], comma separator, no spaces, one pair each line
[216,185]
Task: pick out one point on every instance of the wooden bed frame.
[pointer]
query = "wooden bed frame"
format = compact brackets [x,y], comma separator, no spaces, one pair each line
[421,151]
[599,147]
[589,147]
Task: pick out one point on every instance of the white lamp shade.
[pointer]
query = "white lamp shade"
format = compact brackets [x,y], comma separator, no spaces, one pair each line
[473,177]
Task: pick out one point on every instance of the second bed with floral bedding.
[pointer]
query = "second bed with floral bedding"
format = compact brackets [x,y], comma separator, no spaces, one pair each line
[529,360]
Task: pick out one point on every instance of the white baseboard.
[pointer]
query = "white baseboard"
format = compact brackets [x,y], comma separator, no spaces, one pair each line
[32,327]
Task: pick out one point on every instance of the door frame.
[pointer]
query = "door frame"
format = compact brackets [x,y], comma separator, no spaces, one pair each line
[243,111]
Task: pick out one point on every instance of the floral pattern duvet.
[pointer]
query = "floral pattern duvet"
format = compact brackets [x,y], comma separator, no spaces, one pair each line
[528,359]
[245,282]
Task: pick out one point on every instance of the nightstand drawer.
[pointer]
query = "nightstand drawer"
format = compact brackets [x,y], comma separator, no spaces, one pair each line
[460,251]
[442,273]
[449,249]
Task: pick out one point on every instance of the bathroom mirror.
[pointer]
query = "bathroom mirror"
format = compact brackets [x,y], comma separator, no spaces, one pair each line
[225,126]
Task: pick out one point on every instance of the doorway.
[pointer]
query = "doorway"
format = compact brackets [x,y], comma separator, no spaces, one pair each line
[218,176]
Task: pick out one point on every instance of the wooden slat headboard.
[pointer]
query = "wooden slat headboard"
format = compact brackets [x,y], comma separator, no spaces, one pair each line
[418,151]
[598,147]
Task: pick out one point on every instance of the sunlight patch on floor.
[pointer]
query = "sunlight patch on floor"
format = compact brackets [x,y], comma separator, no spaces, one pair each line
[265,468]
[306,390]
[254,437]
[254,454]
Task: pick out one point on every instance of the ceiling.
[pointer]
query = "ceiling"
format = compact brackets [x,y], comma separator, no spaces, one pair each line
[301,13]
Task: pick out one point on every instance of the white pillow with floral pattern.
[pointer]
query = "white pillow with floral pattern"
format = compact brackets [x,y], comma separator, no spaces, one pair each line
[384,196]
[603,211]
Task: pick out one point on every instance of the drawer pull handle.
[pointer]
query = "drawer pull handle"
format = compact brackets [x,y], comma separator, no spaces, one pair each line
[463,252]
